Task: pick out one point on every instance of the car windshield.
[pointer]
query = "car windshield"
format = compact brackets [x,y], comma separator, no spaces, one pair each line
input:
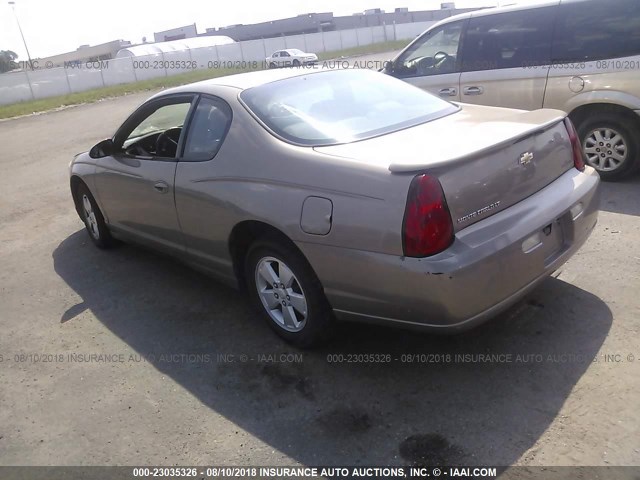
[295,51]
[341,106]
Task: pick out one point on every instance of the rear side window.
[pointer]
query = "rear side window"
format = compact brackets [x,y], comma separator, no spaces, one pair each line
[208,128]
[597,30]
[509,40]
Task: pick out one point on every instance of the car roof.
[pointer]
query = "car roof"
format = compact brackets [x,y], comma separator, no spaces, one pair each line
[240,81]
[513,7]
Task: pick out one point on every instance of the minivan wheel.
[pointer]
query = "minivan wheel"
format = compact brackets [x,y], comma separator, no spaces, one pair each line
[286,291]
[609,146]
[92,217]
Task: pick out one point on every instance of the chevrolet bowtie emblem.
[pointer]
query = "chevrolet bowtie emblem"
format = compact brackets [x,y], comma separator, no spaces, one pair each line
[526,158]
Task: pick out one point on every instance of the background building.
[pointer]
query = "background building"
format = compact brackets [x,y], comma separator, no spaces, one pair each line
[173,46]
[323,22]
[304,23]
[180,33]
[85,53]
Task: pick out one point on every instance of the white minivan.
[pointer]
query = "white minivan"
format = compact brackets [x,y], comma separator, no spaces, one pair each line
[580,56]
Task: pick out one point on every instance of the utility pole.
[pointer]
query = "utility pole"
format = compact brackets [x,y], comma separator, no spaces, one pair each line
[13,7]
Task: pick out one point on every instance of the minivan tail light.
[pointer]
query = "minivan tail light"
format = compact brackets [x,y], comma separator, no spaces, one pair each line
[427,228]
[578,154]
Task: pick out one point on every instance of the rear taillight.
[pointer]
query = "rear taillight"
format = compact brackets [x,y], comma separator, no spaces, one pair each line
[578,154]
[427,227]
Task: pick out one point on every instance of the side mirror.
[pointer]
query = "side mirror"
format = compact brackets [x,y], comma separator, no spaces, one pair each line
[102,149]
[387,67]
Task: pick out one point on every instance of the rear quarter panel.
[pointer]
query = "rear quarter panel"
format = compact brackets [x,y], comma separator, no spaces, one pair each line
[615,81]
[256,176]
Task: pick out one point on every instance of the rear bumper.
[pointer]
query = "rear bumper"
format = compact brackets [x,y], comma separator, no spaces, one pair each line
[489,267]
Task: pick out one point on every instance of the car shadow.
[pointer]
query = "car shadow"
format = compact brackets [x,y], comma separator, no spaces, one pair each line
[483,397]
[621,197]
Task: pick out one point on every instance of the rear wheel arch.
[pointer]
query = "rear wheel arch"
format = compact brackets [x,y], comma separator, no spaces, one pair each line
[296,308]
[580,114]
[596,121]
[247,233]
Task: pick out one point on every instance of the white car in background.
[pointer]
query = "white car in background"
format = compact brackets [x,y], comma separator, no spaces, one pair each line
[291,57]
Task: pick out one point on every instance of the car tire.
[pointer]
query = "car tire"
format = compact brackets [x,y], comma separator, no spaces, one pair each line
[283,287]
[296,63]
[272,65]
[92,217]
[613,160]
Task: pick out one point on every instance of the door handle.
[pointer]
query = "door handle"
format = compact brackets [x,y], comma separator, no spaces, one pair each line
[448,92]
[473,90]
[161,187]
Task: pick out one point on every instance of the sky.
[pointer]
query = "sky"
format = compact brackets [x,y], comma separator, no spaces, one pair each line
[57,26]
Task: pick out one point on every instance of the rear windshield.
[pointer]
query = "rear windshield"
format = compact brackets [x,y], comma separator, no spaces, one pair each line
[341,106]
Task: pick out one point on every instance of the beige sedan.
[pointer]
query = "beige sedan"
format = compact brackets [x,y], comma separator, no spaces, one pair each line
[344,194]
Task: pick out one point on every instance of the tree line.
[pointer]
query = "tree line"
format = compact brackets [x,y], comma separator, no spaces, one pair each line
[8,61]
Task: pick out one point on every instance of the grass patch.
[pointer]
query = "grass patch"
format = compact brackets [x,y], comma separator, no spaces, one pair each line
[34,106]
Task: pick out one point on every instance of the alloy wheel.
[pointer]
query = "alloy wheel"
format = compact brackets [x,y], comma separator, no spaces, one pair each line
[90,217]
[281,294]
[606,149]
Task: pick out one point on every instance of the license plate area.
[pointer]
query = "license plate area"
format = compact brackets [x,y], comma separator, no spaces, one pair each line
[554,243]
[547,243]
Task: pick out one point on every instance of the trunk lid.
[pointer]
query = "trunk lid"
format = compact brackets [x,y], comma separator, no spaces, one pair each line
[486,158]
